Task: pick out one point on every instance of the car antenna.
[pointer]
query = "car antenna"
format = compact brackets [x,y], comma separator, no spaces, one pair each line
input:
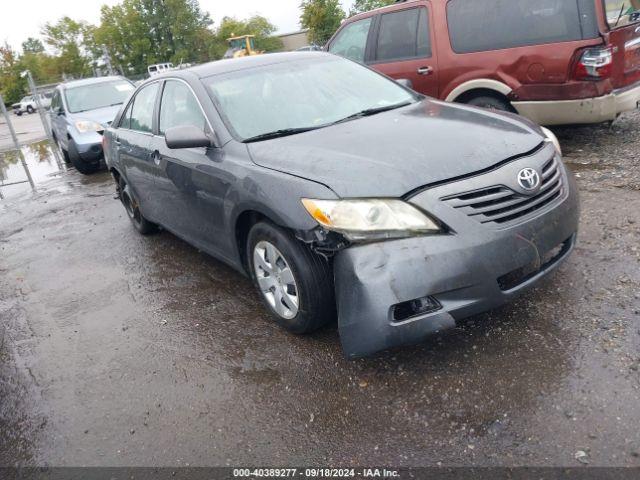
[620,14]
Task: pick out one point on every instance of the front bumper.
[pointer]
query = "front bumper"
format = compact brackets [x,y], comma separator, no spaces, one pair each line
[462,271]
[583,111]
[89,146]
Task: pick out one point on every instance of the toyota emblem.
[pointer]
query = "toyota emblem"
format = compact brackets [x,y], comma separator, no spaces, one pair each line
[529,179]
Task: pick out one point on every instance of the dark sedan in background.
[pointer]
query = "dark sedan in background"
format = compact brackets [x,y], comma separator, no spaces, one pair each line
[341,192]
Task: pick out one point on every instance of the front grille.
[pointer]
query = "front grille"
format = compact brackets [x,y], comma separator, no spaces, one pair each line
[502,205]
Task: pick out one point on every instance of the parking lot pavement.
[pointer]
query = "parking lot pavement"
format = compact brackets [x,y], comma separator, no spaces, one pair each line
[28,129]
[123,350]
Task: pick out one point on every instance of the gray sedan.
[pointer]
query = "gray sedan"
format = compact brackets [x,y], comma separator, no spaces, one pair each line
[343,194]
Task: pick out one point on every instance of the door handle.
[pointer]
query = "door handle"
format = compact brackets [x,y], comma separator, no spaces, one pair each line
[156,157]
[425,71]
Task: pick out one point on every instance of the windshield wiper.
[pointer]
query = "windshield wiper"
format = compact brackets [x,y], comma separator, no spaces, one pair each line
[284,132]
[372,111]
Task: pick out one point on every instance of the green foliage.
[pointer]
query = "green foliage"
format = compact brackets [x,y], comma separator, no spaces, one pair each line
[138,33]
[360,6]
[32,45]
[322,18]
[70,41]
[12,85]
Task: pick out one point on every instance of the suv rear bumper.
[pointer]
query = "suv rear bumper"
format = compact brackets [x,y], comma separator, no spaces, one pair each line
[583,111]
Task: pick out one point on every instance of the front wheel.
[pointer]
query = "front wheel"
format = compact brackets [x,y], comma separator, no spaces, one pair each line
[295,284]
[30,109]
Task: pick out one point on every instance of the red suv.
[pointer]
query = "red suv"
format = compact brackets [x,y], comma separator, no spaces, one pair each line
[553,61]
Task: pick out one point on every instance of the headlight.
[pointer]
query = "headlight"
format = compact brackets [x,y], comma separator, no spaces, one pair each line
[371,218]
[84,126]
[552,138]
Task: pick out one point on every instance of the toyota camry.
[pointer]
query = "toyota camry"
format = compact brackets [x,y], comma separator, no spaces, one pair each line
[344,194]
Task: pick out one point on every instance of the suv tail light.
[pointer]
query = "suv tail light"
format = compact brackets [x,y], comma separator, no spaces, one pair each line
[594,64]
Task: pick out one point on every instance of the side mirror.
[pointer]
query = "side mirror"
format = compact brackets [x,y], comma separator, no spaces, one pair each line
[186,136]
[405,82]
[60,111]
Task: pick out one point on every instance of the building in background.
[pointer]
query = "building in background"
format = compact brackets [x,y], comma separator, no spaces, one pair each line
[294,40]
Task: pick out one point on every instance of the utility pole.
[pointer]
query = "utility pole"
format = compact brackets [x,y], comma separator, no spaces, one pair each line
[43,118]
[107,60]
[14,137]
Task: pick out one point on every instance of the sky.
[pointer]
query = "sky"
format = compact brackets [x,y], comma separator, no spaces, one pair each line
[24,18]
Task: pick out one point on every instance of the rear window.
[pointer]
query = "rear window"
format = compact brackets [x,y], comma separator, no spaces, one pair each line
[480,25]
[622,12]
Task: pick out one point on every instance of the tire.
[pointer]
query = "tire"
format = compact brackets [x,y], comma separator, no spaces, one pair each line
[19,113]
[86,168]
[492,103]
[132,207]
[30,109]
[311,274]
[65,154]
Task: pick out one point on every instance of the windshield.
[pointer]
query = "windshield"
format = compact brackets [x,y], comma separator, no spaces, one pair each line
[25,100]
[300,94]
[97,95]
[622,12]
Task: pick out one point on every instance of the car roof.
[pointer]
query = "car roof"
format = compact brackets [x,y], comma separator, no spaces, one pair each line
[243,63]
[90,81]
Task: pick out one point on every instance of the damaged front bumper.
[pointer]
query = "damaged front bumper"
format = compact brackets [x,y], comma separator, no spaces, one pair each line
[465,273]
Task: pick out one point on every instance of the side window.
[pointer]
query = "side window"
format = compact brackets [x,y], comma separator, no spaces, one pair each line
[481,25]
[351,42]
[125,120]
[142,109]
[404,34]
[179,107]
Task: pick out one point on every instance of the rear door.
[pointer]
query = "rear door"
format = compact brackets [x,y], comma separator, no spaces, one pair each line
[624,20]
[402,47]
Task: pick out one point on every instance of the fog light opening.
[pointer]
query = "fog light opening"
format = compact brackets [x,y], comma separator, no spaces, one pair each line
[414,308]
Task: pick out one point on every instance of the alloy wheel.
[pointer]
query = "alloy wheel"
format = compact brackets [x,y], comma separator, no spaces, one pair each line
[275,279]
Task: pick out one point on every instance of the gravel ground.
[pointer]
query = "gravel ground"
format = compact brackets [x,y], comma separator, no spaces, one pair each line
[122,350]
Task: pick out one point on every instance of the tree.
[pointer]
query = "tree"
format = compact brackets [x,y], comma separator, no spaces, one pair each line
[70,41]
[12,84]
[322,18]
[32,45]
[138,33]
[360,6]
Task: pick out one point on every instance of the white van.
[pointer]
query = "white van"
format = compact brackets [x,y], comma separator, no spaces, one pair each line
[159,68]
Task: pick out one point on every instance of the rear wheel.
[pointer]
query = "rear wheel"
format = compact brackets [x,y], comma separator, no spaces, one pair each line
[295,284]
[132,207]
[490,102]
[86,168]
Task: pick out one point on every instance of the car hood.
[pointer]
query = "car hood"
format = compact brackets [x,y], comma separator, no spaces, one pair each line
[393,153]
[103,116]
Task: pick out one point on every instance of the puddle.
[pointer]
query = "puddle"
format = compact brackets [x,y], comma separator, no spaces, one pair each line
[40,161]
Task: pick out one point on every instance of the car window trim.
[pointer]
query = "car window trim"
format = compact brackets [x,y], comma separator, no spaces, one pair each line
[165,81]
[130,102]
[366,54]
[206,117]
[374,49]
